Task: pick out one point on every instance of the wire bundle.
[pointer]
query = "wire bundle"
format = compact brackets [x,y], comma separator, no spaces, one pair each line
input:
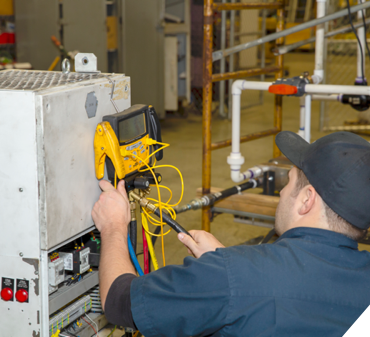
[146,216]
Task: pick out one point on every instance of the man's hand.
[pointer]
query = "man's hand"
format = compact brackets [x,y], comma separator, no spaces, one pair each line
[203,242]
[112,210]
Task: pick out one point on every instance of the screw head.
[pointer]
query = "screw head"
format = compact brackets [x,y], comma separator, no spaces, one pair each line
[21,189]
[20,254]
[36,272]
[102,148]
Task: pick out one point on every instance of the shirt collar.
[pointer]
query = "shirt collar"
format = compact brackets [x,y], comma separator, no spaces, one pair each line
[319,235]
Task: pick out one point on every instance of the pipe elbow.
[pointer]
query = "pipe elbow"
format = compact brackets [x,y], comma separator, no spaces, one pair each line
[236,176]
[317,76]
[237,87]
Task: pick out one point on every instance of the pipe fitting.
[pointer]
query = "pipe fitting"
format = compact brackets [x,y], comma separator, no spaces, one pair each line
[317,76]
[235,159]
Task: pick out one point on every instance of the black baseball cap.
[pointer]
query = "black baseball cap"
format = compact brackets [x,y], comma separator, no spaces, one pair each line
[338,167]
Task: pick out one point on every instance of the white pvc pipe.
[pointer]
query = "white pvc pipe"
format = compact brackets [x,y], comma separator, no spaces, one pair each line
[337,89]
[361,37]
[307,119]
[301,115]
[236,160]
[326,98]
[318,74]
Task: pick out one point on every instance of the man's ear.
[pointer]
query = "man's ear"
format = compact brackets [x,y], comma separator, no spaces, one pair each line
[307,199]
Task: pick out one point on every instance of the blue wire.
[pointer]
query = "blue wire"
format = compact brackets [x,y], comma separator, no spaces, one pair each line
[133,256]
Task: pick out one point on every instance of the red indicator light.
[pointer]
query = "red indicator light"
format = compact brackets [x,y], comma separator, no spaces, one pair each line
[21,295]
[6,294]
[283,89]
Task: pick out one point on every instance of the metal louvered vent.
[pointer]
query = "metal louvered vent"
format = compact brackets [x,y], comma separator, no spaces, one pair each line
[36,80]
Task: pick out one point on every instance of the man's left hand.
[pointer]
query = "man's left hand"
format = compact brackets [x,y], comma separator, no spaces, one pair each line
[112,210]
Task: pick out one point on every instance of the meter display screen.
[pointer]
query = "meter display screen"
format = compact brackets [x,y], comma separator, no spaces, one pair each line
[131,128]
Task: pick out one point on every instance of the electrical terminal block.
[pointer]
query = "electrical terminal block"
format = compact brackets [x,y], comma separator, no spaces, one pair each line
[69,314]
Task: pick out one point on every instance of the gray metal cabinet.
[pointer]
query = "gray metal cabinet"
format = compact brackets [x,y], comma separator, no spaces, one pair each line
[35,22]
[84,28]
[142,50]
[79,23]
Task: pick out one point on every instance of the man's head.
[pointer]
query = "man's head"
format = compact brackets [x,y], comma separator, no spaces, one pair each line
[329,187]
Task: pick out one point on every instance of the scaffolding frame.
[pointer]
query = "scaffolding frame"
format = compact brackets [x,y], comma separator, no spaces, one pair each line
[208,78]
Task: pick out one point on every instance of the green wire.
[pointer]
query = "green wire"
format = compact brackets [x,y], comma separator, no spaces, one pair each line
[112,331]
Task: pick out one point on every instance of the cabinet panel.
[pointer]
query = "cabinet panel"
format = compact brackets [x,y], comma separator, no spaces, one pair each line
[35,22]
[143,51]
[84,26]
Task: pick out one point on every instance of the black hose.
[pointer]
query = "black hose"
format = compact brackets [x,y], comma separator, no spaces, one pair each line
[230,191]
[133,234]
[269,235]
[170,222]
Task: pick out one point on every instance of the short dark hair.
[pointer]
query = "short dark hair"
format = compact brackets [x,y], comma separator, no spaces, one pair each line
[336,222]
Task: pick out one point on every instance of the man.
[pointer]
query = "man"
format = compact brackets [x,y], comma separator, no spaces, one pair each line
[311,281]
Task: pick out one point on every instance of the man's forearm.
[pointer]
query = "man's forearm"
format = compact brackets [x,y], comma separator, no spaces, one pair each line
[114,260]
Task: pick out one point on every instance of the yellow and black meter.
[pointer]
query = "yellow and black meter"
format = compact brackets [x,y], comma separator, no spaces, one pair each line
[124,142]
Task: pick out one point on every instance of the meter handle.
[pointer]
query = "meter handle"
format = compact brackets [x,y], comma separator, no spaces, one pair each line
[156,127]
[172,223]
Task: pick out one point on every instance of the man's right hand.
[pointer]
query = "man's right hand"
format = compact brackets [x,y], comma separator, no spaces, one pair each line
[201,243]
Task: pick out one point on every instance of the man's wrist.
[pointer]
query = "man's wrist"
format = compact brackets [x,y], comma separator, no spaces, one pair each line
[117,229]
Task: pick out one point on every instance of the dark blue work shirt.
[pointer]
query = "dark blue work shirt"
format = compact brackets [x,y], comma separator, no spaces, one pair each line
[310,282]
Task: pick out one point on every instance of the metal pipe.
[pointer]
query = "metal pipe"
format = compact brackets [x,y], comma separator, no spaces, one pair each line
[347,128]
[245,73]
[231,58]
[241,6]
[278,107]
[222,63]
[287,48]
[246,138]
[218,54]
[207,112]
[263,50]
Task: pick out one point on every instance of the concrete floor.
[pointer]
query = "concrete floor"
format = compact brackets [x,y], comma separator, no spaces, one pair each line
[185,137]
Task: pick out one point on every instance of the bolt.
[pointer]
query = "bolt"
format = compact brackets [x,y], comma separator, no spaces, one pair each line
[99,130]
[36,272]
[102,148]
[20,254]
[21,189]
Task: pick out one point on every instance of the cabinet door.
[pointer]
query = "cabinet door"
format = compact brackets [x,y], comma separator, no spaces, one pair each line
[84,28]
[143,51]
